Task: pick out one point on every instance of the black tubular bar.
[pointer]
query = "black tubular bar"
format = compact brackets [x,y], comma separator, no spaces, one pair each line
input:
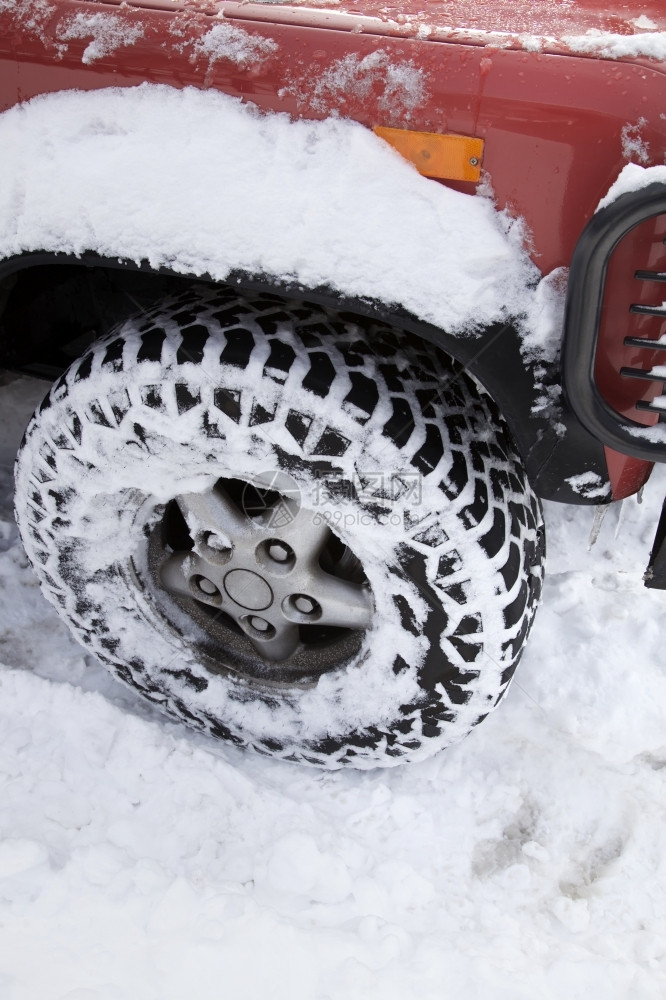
[639,373]
[650,275]
[647,310]
[643,404]
[584,303]
[653,345]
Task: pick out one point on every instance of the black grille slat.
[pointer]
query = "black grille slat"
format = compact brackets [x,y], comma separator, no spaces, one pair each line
[650,275]
[650,408]
[651,345]
[639,373]
[647,310]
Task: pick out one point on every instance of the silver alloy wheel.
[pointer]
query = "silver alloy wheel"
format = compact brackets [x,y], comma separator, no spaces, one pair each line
[273,576]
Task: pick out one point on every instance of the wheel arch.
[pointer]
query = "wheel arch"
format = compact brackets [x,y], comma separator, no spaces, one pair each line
[493,356]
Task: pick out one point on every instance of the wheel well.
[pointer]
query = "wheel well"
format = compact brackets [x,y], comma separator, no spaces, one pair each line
[51,312]
[52,306]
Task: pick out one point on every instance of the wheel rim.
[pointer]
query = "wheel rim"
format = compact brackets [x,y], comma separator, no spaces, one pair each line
[276,594]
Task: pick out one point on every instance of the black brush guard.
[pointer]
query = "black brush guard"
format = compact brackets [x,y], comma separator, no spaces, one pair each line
[584,303]
[585,296]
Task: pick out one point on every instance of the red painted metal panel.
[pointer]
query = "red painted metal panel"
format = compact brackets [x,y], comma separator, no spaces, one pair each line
[553,124]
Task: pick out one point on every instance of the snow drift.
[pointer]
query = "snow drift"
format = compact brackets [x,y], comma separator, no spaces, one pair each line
[202,183]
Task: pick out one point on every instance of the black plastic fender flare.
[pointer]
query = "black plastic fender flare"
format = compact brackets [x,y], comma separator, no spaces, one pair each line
[493,357]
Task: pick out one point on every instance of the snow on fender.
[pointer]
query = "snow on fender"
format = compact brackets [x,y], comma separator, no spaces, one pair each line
[203,184]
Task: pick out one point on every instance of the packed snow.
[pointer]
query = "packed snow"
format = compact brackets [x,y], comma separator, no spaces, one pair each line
[590,485]
[227,41]
[403,84]
[647,43]
[246,193]
[633,177]
[107,33]
[634,147]
[138,860]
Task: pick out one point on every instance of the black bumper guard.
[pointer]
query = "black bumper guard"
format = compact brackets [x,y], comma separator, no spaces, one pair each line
[584,302]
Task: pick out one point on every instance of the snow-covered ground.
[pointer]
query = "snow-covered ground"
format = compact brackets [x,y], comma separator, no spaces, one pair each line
[139,861]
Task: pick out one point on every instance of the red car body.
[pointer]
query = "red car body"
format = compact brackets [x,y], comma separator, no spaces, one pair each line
[563,96]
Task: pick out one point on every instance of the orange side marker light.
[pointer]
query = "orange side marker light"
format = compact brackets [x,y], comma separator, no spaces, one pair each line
[445,157]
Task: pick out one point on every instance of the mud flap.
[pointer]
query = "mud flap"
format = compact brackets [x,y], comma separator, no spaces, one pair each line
[655,574]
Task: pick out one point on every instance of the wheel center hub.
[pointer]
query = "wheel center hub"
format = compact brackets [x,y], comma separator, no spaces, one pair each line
[248,589]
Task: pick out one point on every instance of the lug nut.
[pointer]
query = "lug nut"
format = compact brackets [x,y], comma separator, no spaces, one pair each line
[279,551]
[207,586]
[260,624]
[304,604]
[216,543]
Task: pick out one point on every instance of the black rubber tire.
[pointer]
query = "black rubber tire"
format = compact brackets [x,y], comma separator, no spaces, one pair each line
[212,385]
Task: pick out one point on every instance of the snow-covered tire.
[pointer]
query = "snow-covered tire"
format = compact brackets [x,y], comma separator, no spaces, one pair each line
[427,534]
